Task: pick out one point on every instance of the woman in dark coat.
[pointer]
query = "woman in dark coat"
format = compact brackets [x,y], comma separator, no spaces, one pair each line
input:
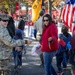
[11,27]
[21,24]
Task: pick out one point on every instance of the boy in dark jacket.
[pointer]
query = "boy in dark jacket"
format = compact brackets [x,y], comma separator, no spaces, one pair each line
[60,54]
[17,51]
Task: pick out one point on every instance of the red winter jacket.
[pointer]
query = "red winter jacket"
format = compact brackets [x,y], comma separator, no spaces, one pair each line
[73,41]
[49,31]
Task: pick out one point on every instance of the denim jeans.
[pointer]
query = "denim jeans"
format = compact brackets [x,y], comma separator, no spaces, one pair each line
[35,32]
[64,60]
[17,58]
[48,56]
[59,59]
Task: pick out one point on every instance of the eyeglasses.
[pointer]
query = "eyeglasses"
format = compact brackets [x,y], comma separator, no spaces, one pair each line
[46,20]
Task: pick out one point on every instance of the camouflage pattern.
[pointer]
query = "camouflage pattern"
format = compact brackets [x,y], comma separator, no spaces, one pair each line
[7,43]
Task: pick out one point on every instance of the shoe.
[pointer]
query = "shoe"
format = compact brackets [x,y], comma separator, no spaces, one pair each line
[15,67]
[41,65]
[60,73]
[19,67]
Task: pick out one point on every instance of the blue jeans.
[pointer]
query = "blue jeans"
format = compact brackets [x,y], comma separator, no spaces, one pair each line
[17,58]
[35,32]
[64,60]
[48,56]
[59,59]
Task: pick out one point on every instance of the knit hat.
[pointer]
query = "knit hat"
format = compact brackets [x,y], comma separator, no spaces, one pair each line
[41,13]
[18,31]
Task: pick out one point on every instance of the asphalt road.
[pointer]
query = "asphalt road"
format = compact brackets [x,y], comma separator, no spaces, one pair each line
[31,64]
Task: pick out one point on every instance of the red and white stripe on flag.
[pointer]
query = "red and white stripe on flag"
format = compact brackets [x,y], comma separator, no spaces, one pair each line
[68,15]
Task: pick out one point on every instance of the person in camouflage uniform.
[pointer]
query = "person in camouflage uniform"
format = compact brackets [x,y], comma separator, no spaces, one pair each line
[6,45]
[6,42]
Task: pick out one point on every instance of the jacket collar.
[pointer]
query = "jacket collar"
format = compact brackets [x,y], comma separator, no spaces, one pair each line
[48,25]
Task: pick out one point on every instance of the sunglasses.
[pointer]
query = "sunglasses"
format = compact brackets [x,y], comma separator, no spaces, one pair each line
[5,20]
[45,20]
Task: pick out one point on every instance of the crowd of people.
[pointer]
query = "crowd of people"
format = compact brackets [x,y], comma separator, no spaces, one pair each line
[12,38]
[45,31]
[55,43]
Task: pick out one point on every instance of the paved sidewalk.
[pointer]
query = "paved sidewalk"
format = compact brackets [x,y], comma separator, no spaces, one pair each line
[31,65]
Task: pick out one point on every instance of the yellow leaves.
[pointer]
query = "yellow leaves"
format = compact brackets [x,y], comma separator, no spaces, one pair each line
[56,2]
[4,2]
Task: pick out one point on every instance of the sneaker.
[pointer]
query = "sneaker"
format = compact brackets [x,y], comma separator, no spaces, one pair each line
[19,67]
[41,65]
[15,67]
[60,73]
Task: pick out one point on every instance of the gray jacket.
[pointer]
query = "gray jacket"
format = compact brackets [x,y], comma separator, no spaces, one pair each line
[38,25]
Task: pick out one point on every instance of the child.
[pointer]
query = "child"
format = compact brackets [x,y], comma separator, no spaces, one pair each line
[59,54]
[17,51]
[66,37]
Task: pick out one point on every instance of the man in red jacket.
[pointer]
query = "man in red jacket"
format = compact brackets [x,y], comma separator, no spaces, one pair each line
[49,42]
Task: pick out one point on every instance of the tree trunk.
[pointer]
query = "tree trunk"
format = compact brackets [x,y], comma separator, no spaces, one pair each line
[26,8]
[50,7]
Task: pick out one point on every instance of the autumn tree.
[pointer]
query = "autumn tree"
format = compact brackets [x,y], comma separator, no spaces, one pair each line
[48,3]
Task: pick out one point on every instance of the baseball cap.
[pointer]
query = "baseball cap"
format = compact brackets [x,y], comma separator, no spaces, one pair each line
[4,17]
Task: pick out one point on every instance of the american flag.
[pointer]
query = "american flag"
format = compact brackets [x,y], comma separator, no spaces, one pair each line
[68,13]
